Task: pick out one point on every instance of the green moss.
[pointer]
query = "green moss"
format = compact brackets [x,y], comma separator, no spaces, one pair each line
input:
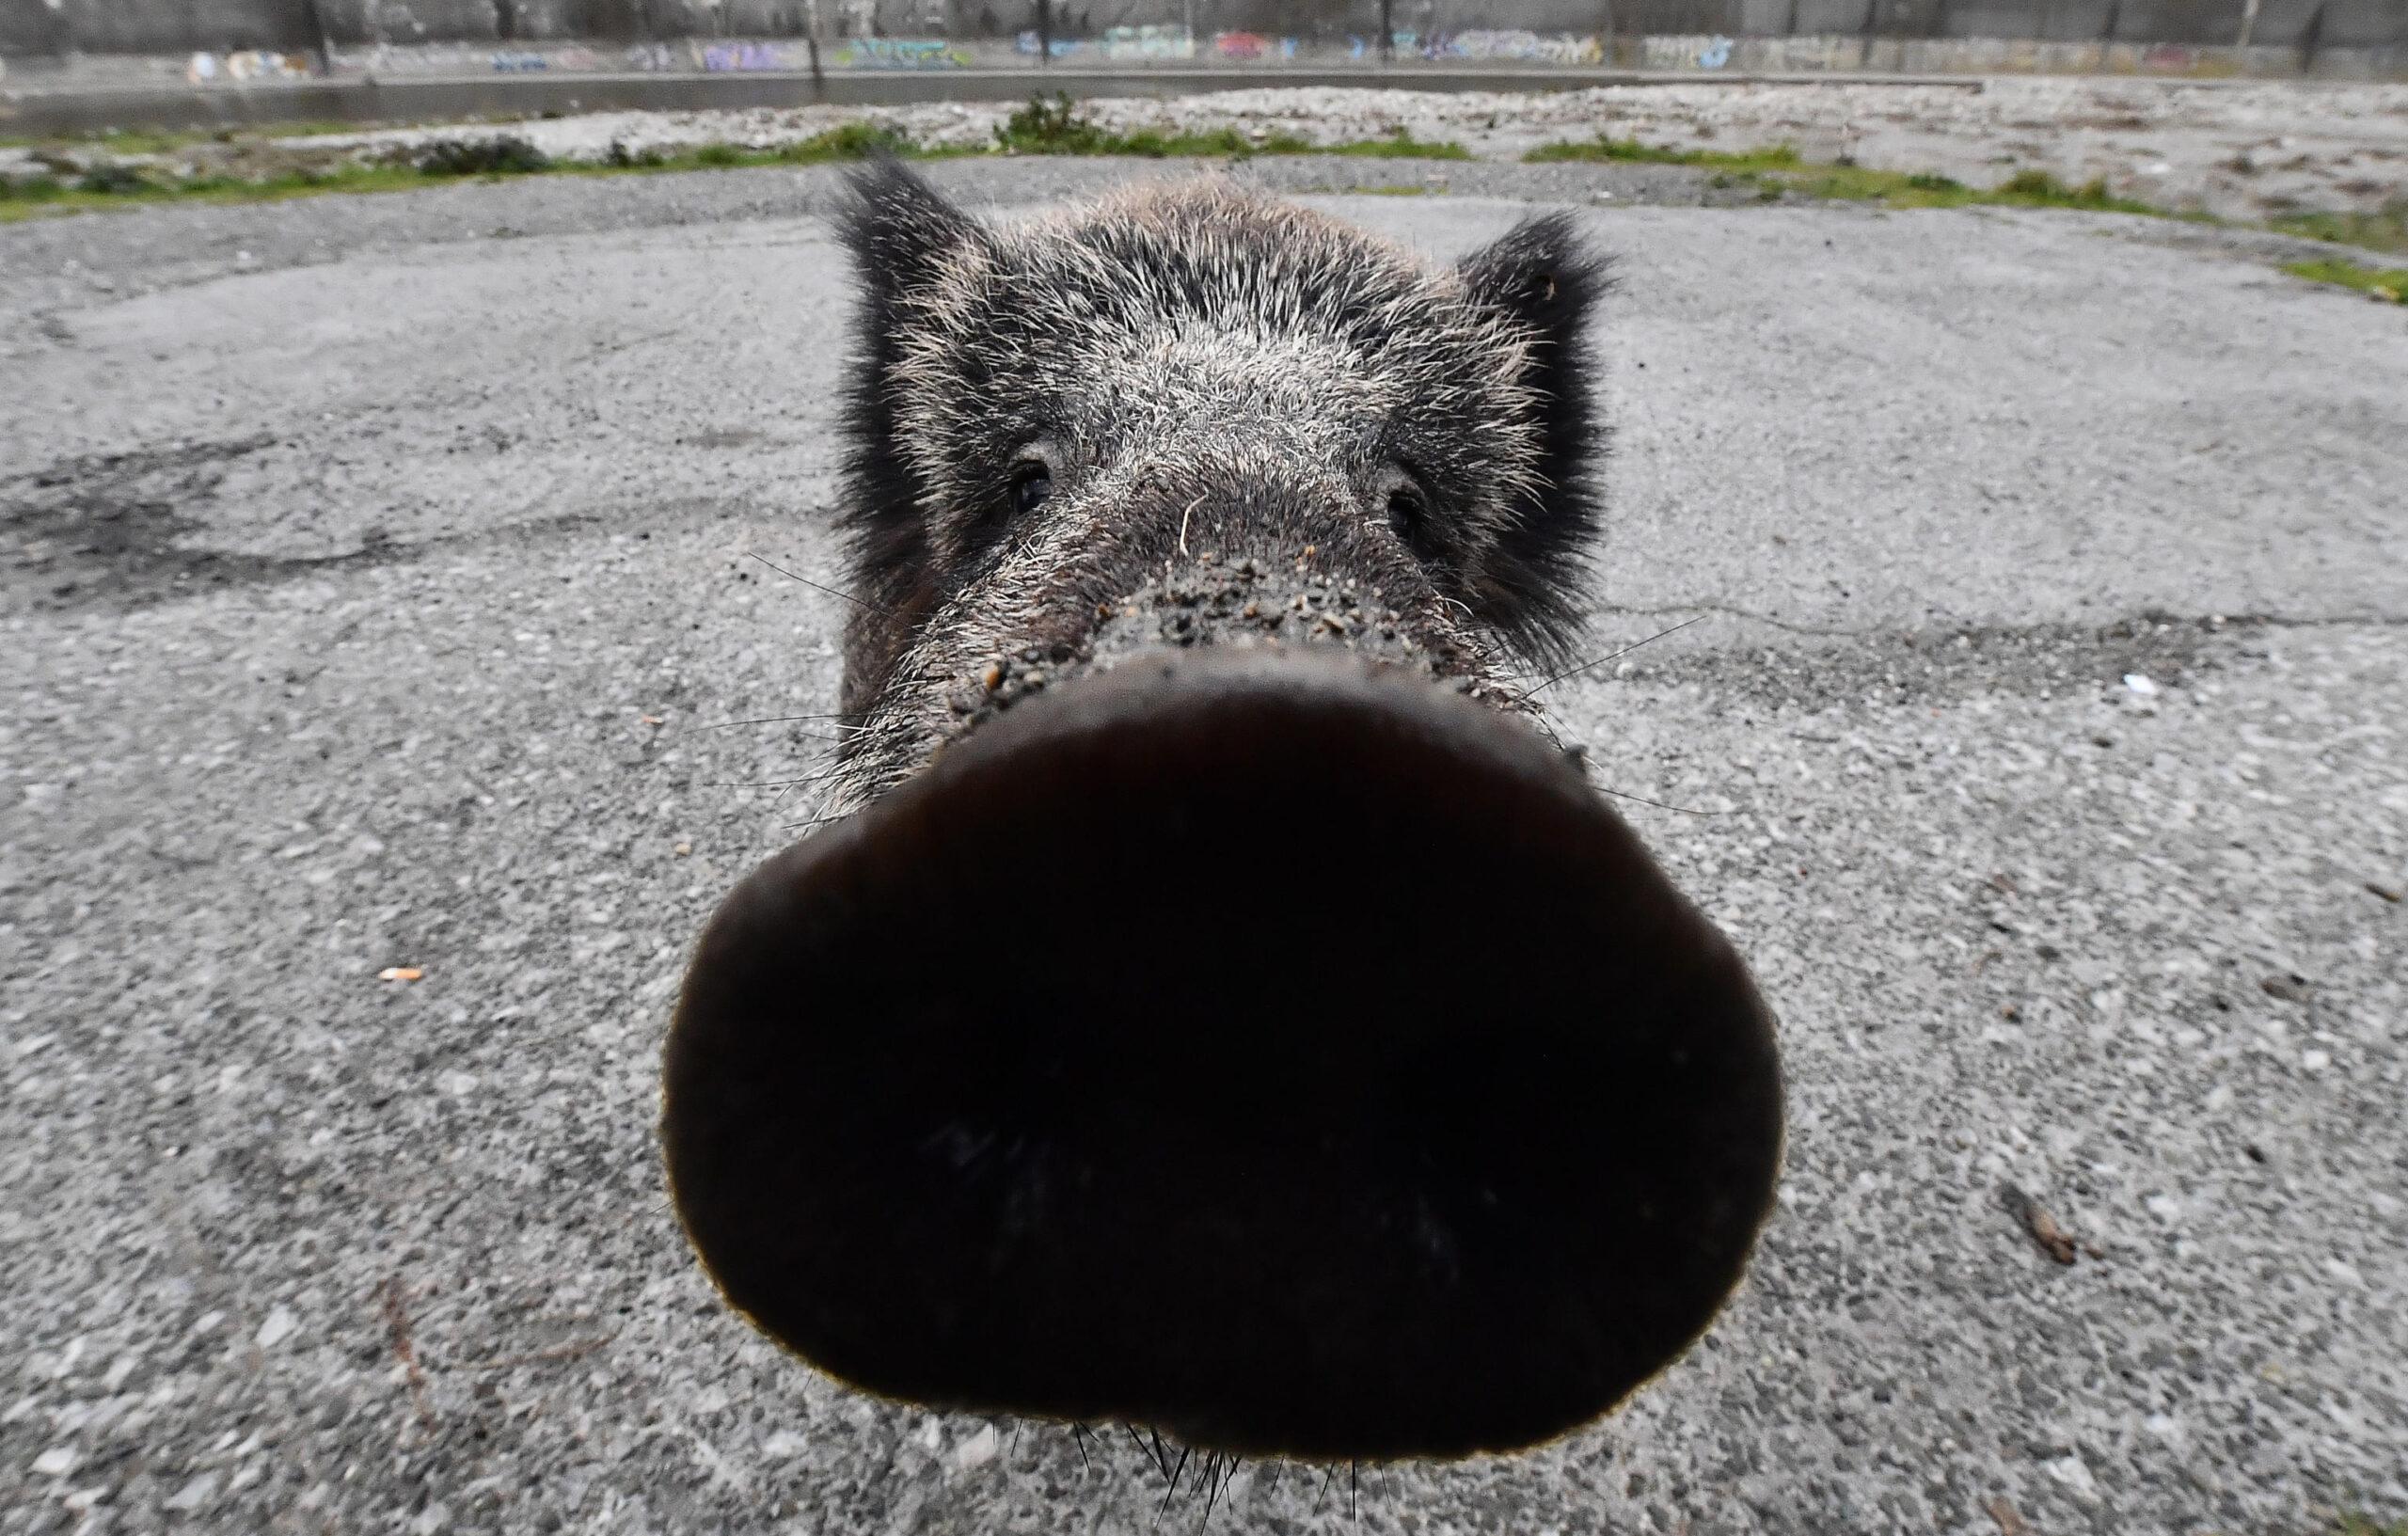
[2378,282]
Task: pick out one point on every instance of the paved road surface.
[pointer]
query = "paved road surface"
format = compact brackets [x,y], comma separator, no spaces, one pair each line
[364,585]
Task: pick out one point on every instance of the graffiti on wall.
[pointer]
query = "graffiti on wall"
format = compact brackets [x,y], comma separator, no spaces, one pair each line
[733,57]
[251,64]
[1251,47]
[1157,41]
[1485,43]
[901,54]
[1029,44]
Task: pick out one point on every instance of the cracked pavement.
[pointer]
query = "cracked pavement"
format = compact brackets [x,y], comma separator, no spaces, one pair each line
[368,579]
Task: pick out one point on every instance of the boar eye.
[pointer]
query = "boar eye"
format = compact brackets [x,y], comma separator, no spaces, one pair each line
[1032,483]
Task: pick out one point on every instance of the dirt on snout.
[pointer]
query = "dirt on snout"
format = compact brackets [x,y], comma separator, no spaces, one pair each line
[1241,603]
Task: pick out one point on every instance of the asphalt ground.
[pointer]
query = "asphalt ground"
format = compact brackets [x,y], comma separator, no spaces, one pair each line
[370,569]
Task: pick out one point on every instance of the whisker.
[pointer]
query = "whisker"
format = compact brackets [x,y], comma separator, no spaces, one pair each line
[817,586]
[1217,1472]
[1326,1479]
[779,720]
[768,783]
[815,822]
[1574,671]
[1660,805]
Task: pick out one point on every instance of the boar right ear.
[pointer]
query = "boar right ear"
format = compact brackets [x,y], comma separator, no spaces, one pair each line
[1548,281]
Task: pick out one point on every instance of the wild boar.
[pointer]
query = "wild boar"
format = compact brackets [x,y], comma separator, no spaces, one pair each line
[1218,1003]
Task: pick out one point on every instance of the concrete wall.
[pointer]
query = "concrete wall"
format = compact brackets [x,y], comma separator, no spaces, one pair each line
[31,29]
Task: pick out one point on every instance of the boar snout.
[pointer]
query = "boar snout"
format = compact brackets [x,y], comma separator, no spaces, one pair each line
[1275,1049]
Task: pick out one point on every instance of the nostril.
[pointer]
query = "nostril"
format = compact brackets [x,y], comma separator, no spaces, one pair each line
[1409,514]
[1031,486]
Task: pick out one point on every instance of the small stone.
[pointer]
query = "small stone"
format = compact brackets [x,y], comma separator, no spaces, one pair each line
[278,1328]
[56,1462]
[978,1450]
[993,678]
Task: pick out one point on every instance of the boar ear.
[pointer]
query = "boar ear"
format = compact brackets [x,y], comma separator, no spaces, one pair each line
[902,233]
[900,230]
[1548,280]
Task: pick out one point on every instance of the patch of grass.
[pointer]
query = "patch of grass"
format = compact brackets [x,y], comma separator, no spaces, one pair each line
[43,195]
[1779,157]
[1054,125]
[1780,169]
[1399,145]
[111,180]
[2385,230]
[2039,189]
[505,155]
[2376,282]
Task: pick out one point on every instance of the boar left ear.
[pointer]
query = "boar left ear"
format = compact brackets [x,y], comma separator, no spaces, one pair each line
[1545,279]
[901,231]
[903,235]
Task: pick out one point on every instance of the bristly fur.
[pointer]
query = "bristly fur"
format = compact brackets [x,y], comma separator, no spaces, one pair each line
[1195,354]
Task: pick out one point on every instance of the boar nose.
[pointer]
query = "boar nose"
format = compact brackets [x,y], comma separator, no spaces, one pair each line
[1288,1055]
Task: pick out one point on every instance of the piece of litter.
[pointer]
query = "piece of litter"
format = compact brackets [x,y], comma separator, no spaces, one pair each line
[400,973]
[2140,684]
[2054,1240]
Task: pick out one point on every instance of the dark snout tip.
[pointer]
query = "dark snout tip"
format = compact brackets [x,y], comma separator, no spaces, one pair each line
[1294,1057]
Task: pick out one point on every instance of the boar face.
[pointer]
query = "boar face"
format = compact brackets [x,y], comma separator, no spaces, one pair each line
[1050,417]
[1217,1004]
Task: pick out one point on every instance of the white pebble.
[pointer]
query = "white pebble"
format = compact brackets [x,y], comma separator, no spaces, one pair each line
[277,1327]
[978,1450]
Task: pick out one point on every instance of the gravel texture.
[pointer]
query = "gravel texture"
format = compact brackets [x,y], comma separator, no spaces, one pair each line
[368,583]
